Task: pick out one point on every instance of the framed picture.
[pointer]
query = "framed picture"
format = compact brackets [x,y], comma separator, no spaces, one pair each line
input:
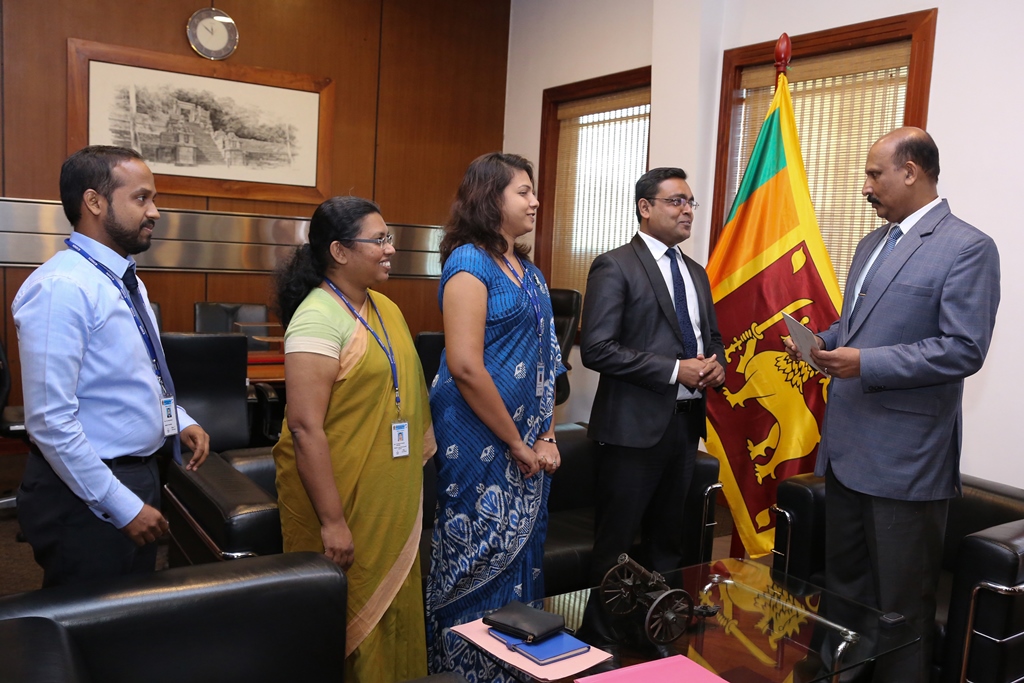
[205,128]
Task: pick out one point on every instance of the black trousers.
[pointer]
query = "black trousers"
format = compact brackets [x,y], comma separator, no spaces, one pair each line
[887,554]
[643,490]
[71,543]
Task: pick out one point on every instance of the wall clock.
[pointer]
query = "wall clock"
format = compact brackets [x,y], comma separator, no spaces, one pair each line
[212,33]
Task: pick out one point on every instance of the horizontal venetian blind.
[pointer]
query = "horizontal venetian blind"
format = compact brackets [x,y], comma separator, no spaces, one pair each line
[602,150]
[842,102]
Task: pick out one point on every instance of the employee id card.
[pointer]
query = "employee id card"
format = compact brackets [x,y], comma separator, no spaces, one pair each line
[169,414]
[399,439]
[540,379]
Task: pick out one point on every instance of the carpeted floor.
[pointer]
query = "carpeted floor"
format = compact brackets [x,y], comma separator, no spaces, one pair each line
[18,571]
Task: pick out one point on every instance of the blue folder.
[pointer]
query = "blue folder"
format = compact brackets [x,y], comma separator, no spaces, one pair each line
[554,649]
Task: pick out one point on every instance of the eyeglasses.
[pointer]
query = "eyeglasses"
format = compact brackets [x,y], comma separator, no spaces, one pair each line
[379,241]
[676,201]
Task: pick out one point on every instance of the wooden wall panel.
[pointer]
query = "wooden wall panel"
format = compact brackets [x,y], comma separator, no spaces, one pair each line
[244,288]
[176,292]
[436,72]
[441,104]
[320,37]
[418,301]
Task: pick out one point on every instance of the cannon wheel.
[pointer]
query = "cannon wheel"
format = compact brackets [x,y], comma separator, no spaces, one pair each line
[617,590]
[668,616]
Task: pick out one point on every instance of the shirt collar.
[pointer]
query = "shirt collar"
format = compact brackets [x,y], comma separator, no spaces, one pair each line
[910,221]
[657,247]
[102,253]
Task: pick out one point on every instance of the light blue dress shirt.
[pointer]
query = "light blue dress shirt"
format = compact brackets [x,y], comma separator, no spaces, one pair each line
[91,393]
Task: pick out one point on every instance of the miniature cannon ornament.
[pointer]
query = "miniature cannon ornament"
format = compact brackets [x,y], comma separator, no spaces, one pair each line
[628,586]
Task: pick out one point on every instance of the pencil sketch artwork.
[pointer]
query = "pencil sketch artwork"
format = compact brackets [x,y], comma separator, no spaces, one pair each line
[205,127]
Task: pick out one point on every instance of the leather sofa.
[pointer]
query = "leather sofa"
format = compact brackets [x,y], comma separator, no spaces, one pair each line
[982,578]
[259,620]
[271,619]
[227,509]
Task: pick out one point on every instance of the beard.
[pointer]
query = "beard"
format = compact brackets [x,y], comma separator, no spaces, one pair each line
[132,240]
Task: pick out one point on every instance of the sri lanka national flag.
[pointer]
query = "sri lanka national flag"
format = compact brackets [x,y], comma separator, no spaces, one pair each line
[765,425]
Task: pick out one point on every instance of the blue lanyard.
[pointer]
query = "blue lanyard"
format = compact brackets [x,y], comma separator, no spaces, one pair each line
[531,293]
[388,351]
[127,299]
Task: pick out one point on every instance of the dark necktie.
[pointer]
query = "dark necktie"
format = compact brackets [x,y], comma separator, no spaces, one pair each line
[132,283]
[682,310]
[890,244]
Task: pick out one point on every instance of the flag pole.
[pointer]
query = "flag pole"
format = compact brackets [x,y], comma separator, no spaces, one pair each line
[783,54]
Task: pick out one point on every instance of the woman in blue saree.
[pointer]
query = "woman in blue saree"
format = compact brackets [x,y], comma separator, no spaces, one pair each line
[492,403]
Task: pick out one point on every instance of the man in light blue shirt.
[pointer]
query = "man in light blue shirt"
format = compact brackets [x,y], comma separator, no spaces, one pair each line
[98,398]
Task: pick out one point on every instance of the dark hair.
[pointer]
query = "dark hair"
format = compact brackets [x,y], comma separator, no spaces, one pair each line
[339,219]
[476,212]
[922,150]
[647,185]
[90,168]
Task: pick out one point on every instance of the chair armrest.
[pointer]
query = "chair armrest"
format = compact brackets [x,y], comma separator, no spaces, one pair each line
[227,511]
[38,650]
[993,556]
[800,527]
[699,517]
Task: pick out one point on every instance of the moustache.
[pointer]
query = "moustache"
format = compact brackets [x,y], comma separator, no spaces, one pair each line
[148,224]
[873,200]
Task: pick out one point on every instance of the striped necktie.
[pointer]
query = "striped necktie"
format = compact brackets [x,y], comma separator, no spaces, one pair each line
[890,244]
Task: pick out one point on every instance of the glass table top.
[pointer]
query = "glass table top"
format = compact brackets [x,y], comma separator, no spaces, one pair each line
[737,618]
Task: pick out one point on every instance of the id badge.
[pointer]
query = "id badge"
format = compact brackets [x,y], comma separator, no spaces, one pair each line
[540,379]
[170,415]
[399,439]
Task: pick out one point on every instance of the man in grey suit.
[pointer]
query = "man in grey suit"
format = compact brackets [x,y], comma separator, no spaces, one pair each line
[649,328]
[917,319]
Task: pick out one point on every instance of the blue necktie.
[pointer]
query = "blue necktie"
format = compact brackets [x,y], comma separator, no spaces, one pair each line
[682,310]
[890,244]
[132,283]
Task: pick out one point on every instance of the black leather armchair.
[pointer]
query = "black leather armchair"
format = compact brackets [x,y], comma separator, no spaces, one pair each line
[218,318]
[227,509]
[260,620]
[269,619]
[982,579]
[567,306]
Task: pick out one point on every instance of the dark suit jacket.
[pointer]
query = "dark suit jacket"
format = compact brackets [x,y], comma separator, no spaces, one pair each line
[925,325]
[630,335]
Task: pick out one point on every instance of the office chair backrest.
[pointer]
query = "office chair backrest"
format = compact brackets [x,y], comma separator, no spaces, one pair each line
[566,305]
[429,346]
[209,373]
[214,317]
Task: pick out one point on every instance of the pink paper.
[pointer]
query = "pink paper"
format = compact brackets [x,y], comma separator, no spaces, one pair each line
[668,670]
[476,632]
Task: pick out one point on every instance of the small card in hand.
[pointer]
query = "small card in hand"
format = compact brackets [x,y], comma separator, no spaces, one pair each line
[523,621]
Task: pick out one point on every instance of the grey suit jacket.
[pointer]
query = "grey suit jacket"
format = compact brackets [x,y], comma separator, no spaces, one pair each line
[630,335]
[925,325]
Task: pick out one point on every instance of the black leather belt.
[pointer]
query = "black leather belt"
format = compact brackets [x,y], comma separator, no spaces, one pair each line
[128,460]
[687,405]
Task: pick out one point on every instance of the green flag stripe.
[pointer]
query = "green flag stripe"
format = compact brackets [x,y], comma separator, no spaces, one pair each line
[767,159]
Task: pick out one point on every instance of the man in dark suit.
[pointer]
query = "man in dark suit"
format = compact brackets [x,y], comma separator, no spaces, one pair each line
[927,290]
[649,328]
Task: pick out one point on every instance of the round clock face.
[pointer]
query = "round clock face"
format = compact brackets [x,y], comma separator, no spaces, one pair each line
[212,33]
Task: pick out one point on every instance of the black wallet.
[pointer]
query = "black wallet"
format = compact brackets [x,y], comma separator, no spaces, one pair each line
[522,621]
